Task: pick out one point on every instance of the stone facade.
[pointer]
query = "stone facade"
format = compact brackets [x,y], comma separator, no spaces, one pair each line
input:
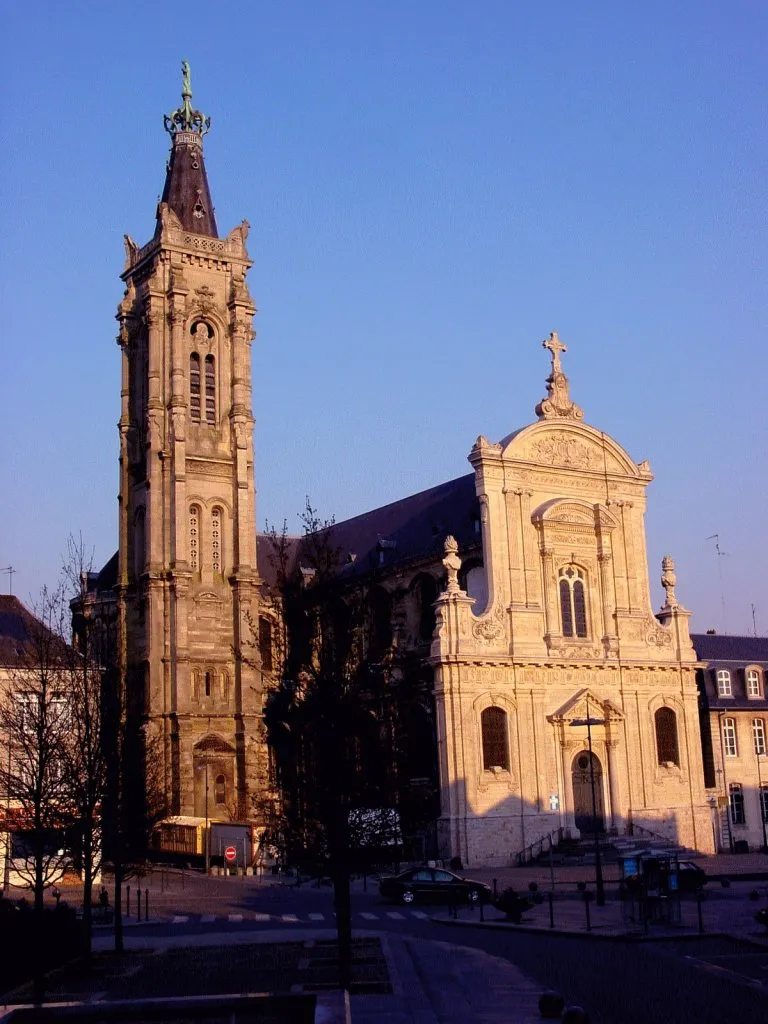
[567,634]
[187,581]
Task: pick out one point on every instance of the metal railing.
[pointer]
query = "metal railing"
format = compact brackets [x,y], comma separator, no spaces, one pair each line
[535,849]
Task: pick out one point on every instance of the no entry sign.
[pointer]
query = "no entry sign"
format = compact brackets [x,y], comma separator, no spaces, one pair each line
[230,855]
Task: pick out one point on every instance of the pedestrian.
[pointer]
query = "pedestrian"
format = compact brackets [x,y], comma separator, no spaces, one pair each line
[104,898]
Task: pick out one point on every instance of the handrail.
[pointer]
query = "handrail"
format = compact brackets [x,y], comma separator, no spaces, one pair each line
[537,847]
[632,826]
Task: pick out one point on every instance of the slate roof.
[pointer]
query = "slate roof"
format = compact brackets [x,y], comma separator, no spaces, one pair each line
[18,626]
[735,650]
[186,187]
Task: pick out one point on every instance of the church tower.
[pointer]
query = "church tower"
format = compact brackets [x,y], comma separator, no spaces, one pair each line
[188,583]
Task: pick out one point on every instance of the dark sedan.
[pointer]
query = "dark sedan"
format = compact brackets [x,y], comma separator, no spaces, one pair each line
[434,885]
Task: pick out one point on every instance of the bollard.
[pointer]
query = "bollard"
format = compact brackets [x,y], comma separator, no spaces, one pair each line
[127,901]
[495,892]
[146,904]
[482,909]
[551,911]
[587,898]
[138,903]
[698,911]
[365,881]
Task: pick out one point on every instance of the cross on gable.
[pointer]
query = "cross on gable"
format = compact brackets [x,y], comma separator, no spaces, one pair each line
[555,346]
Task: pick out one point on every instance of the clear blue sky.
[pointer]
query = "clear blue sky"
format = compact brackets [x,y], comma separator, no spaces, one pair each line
[432,187]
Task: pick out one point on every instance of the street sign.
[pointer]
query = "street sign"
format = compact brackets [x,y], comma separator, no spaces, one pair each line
[554,801]
[230,855]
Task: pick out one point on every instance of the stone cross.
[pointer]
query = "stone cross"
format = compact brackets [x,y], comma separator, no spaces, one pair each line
[555,346]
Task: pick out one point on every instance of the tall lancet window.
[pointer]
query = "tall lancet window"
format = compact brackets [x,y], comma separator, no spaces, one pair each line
[216,539]
[194,536]
[210,390]
[573,601]
[194,387]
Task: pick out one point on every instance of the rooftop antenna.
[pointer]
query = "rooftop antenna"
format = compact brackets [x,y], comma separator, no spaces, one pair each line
[720,555]
[754,622]
[10,570]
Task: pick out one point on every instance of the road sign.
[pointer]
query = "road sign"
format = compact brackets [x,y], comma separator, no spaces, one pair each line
[230,855]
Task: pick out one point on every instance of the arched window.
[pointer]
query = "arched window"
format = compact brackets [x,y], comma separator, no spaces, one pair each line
[724,688]
[425,593]
[493,725]
[753,682]
[216,539]
[220,790]
[573,601]
[265,643]
[194,548]
[666,736]
[208,684]
[210,390]
[194,387]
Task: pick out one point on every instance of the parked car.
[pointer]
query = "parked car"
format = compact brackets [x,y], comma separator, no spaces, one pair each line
[434,885]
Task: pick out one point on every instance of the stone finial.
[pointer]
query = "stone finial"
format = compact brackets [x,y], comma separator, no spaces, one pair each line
[452,564]
[558,401]
[669,581]
[185,119]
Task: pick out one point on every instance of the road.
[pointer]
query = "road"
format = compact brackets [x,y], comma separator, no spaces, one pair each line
[704,980]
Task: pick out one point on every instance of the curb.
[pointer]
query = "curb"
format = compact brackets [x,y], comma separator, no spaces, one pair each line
[584,934]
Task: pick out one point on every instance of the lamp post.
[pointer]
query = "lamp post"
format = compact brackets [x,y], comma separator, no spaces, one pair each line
[207,841]
[589,722]
[763,804]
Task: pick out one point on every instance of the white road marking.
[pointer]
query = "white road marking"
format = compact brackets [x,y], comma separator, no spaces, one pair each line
[395,915]
[234,918]
[289,918]
[262,917]
[316,917]
[180,919]
[207,919]
[369,917]
[419,913]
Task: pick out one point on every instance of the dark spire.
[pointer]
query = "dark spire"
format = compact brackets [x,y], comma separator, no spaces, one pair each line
[186,189]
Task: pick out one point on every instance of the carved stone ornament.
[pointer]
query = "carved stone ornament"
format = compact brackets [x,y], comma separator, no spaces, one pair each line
[656,634]
[562,450]
[452,564]
[669,581]
[558,401]
[490,628]
[205,300]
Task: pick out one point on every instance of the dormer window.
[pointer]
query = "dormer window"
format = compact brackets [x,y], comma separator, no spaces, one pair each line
[753,683]
[724,688]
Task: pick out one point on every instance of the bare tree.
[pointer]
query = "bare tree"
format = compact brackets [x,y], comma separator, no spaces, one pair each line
[35,721]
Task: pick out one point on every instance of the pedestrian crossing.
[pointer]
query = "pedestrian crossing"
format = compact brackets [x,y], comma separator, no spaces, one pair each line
[315,917]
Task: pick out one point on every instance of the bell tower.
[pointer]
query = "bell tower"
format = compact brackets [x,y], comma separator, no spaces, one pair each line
[188,585]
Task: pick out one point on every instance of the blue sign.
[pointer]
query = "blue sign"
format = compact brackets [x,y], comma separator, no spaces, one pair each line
[554,801]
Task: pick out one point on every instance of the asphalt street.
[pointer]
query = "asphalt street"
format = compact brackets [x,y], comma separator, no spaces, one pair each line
[709,979]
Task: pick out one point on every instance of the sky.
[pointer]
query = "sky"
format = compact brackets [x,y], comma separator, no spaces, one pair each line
[432,186]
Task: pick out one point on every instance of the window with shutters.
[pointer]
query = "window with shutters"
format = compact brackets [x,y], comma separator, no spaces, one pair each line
[194,387]
[210,390]
[573,601]
[666,736]
[493,726]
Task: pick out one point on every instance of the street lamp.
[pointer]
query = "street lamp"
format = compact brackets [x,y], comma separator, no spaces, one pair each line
[207,843]
[589,722]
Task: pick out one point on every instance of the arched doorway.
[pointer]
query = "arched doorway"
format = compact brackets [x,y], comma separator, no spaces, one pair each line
[587,819]
[214,778]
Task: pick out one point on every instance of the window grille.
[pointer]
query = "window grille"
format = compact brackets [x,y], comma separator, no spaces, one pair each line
[194,387]
[210,390]
[573,601]
[493,723]
[736,801]
[666,736]
[724,688]
[729,737]
[194,522]
[216,540]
